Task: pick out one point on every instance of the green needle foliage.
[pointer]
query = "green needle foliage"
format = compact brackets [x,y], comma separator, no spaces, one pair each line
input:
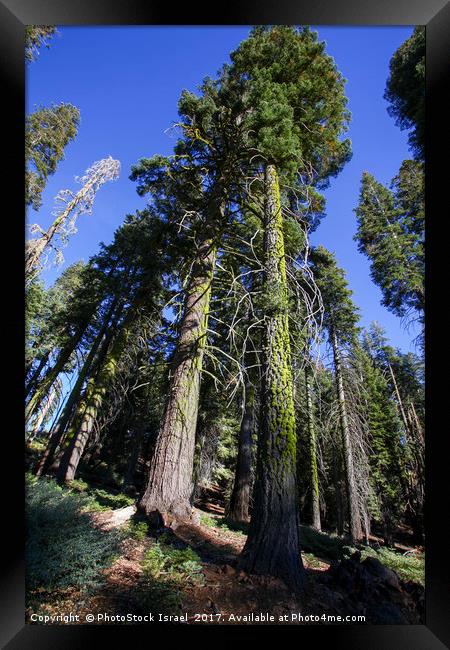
[405,89]
[296,108]
[341,314]
[47,132]
[390,233]
[385,444]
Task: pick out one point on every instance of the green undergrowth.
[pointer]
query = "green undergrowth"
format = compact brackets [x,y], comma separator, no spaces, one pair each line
[312,560]
[63,547]
[33,452]
[325,547]
[223,523]
[99,499]
[137,530]
[167,571]
[332,548]
[408,567]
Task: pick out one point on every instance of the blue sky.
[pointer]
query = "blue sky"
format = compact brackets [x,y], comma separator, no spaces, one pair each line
[126,82]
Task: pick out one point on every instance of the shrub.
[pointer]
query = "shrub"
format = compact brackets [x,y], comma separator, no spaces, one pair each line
[166,570]
[63,548]
[207,520]
[78,485]
[179,565]
[408,567]
[225,524]
[112,500]
[137,530]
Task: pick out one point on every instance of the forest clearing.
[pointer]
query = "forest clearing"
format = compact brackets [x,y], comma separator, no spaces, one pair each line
[217,431]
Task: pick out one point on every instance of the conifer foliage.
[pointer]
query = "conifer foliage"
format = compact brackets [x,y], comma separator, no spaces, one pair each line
[209,345]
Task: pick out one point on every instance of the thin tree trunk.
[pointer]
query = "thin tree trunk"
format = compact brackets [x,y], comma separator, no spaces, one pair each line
[35,375]
[134,456]
[350,482]
[90,405]
[314,478]
[58,431]
[43,412]
[400,402]
[64,354]
[169,486]
[336,465]
[418,425]
[273,545]
[48,379]
[238,509]
[34,248]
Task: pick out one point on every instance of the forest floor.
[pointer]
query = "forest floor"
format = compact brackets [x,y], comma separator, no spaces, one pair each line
[190,573]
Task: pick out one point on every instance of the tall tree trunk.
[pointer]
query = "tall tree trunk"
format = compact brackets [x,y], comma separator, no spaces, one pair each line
[58,431]
[99,173]
[96,389]
[314,478]
[400,402]
[169,486]
[134,456]
[350,482]
[43,411]
[238,509]
[273,546]
[35,375]
[50,376]
[337,482]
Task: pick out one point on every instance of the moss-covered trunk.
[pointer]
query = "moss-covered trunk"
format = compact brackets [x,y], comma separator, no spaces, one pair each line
[88,408]
[169,485]
[273,546]
[355,529]
[238,509]
[314,477]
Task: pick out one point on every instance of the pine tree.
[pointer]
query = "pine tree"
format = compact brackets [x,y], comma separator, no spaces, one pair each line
[89,406]
[391,234]
[197,182]
[312,444]
[134,288]
[71,304]
[403,374]
[340,319]
[47,133]
[385,437]
[405,89]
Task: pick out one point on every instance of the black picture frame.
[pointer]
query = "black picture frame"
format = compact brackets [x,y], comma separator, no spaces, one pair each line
[14,15]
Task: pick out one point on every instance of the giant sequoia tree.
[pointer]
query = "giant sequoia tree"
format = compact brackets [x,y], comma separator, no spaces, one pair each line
[296,114]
